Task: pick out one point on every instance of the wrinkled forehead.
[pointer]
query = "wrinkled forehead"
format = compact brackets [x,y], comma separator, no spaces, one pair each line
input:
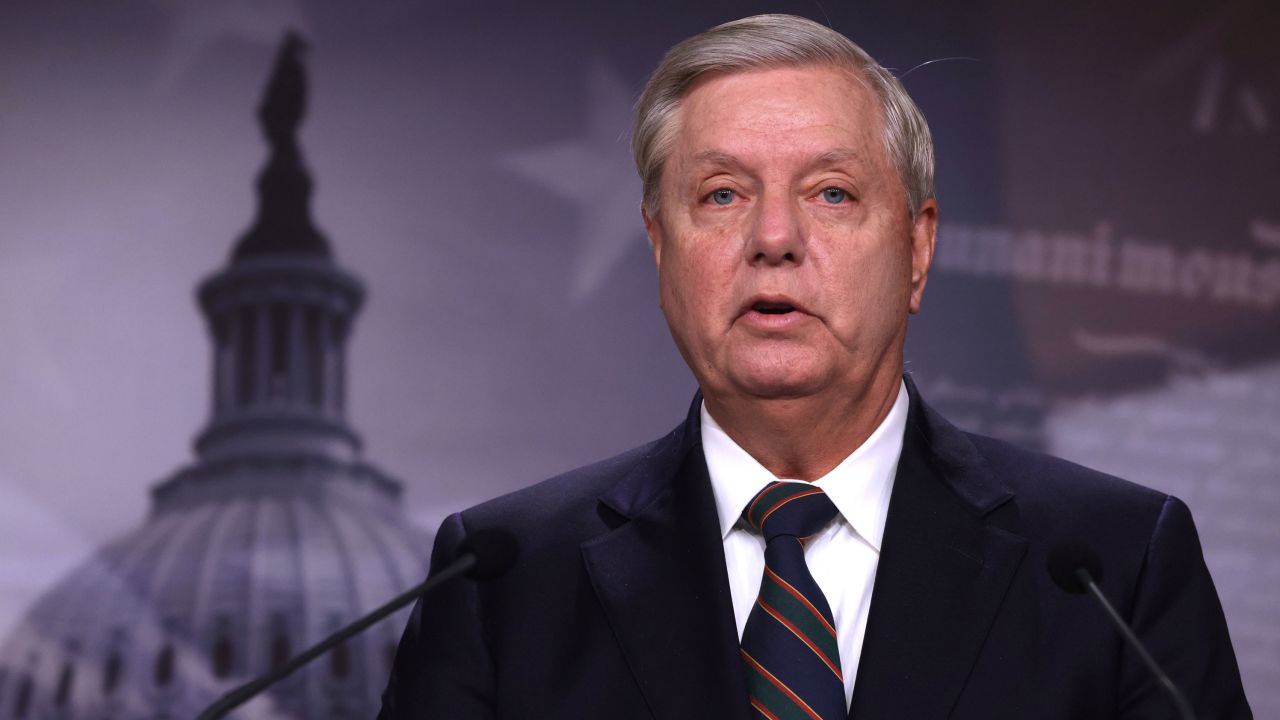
[807,114]
[713,88]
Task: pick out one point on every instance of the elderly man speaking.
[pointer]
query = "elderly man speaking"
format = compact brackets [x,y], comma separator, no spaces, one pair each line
[813,541]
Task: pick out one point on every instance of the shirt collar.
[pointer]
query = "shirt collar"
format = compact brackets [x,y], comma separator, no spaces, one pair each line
[859,486]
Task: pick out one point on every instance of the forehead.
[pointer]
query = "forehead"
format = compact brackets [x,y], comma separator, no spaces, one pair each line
[779,113]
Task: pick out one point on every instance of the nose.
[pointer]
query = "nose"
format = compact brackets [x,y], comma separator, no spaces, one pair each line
[776,233]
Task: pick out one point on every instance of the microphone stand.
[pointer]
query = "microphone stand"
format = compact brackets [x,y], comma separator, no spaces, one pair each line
[239,695]
[1179,700]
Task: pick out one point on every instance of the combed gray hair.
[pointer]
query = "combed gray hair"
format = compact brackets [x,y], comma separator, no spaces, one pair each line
[770,41]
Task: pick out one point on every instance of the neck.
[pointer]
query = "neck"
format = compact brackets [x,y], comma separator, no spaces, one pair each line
[807,437]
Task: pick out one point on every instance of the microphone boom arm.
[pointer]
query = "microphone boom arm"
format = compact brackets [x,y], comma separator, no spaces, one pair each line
[239,695]
[1179,700]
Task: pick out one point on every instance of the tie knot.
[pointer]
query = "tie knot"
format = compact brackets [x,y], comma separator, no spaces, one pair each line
[798,509]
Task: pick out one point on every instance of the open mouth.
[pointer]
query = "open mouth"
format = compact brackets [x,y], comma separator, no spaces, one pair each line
[773,308]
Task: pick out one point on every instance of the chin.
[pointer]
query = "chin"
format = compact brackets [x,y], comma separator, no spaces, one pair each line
[779,380]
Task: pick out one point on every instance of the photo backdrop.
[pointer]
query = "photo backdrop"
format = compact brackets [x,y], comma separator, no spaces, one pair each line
[1106,286]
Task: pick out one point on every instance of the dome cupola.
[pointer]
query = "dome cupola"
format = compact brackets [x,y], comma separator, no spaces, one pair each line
[278,533]
[281,312]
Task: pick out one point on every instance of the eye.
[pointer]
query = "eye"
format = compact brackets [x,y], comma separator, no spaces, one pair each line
[723,196]
[834,195]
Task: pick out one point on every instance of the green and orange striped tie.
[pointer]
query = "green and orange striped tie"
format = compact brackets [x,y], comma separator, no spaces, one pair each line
[789,648]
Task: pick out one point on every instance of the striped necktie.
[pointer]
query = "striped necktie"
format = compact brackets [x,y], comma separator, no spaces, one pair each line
[789,645]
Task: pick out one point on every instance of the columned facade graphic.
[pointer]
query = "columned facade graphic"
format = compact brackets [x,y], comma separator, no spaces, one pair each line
[277,534]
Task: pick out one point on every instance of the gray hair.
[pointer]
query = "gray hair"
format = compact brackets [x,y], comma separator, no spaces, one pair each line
[770,41]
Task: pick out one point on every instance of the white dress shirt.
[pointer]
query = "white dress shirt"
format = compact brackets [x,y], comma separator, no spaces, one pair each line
[843,557]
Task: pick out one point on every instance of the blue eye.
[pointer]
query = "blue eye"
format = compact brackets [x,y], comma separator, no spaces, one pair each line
[834,195]
[723,196]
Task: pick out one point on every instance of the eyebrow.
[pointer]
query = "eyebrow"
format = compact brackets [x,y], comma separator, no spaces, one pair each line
[836,157]
[716,157]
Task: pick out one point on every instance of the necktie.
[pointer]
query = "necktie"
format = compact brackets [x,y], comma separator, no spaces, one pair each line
[789,644]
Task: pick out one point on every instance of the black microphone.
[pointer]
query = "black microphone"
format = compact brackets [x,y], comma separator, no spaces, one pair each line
[483,555]
[1074,568]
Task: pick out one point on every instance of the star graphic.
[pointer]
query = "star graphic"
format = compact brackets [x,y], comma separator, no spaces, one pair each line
[593,171]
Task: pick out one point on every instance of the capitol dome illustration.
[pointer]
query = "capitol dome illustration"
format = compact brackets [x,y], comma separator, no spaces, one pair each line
[277,534]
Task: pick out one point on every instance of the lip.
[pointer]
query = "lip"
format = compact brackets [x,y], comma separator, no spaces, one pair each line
[771,299]
[772,321]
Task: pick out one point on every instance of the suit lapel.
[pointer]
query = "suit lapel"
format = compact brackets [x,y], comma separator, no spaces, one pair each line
[943,571]
[660,576]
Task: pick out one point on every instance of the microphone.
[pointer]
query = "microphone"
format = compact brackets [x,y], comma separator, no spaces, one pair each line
[483,555]
[1076,568]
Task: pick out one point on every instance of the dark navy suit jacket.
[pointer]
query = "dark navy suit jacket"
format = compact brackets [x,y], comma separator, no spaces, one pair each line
[619,605]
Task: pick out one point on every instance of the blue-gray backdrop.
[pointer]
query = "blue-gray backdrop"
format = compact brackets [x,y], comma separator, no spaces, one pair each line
[1106,288]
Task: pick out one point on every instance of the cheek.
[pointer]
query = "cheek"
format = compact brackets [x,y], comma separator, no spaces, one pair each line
[885,285]
[680,290]
[698,272]
[868,280]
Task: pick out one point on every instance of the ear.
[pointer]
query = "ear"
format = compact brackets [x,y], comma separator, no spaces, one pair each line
[924,234]
[653,228]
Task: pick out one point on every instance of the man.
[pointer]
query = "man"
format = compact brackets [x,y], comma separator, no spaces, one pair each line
[901,572]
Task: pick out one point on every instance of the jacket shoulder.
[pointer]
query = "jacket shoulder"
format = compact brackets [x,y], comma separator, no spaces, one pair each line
[566,504]
[1030,470]
[1057,498]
